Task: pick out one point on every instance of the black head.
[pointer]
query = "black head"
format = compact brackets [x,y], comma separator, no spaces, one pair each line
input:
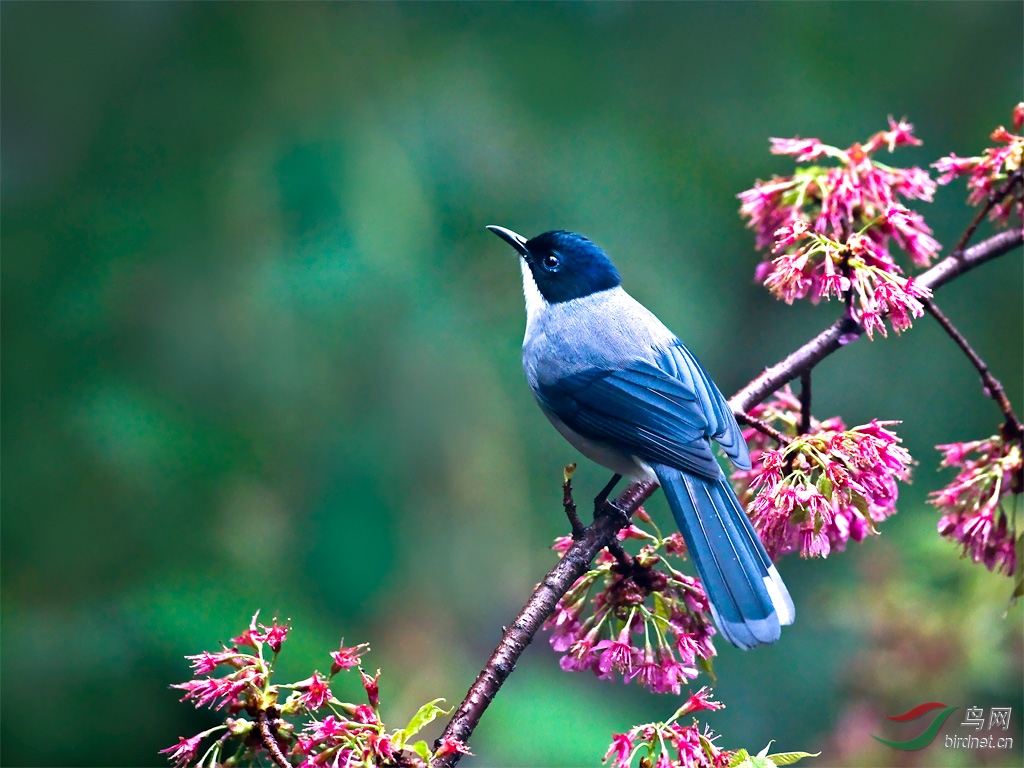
[564,265]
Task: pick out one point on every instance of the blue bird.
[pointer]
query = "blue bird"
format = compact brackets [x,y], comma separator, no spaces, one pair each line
[625,392]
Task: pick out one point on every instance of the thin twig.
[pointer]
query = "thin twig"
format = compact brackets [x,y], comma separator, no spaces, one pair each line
[993,200]
[763,427]
[805,401]
[993,387]
[269,741]
[569,505]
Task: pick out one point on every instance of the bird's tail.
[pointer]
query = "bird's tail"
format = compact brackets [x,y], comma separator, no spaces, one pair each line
[748,599]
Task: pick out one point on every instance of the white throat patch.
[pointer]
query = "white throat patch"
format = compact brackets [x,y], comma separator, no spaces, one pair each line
[535,303]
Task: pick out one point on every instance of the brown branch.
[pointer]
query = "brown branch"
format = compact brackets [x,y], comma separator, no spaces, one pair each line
[615,516]
[805,401]
[993,200]
[993,387]
[269,741]
[541,604]
[839,333]
[569,505]
[763,427]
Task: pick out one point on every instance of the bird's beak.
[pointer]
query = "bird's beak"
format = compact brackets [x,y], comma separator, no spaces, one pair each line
[516,241]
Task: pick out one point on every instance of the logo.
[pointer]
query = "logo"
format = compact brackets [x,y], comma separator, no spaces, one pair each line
[928,734]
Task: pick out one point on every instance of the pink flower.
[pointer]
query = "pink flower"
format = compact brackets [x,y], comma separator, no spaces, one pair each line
[327,729]
[372,687]
[451,746]
[205,662]
[804,149]
[701,700]
[273,635]
[346,658]
[185,751]
[316,692]
[899,134]
[618,654]
[207,691]
[620,750]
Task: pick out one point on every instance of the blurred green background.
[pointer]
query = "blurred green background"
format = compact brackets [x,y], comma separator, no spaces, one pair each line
[259,351]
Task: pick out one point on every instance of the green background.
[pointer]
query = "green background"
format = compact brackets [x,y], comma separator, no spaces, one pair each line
[259,351]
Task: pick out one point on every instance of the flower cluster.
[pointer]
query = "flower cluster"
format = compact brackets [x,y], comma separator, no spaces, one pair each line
[671,745]
[988,172]
[645,619]
[822,488]
[333,733]
[974,514]
[829,228]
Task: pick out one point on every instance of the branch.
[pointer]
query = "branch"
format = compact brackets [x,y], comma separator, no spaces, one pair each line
[267,737]
[838,334]
[993,200]
[541,604]
[763,427]
[993,388]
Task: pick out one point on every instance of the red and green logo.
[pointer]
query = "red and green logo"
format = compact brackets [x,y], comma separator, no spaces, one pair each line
[925,737]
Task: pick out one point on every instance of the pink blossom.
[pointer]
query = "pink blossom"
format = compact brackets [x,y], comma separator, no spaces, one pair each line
[701,700]
[804,149]
[346,658]
[372,687]
[618,654]
[206,691]
[620,751]
[205,662]
[273,635]
[451,746]
[316,692]
[185,751]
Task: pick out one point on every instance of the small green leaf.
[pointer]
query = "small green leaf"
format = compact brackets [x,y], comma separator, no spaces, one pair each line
[764,752]
[660,608]
[860,503]
[825,486]
[739,758]
[788,758]
[422,749]
[705,665]
[426,714]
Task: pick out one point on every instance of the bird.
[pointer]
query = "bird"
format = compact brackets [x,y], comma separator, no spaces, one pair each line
[623,390]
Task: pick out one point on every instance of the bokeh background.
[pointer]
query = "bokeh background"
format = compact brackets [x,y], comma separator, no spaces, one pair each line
[259,351]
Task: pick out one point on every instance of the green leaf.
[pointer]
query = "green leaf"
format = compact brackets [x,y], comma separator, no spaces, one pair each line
[788,758]
[423,750]
[739,758]
[426,715]
[764,752]
[825,486]
[705,665]
[660,608]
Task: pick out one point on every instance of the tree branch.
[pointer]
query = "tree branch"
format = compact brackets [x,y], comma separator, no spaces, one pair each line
[267,737]
[838,334]
[615,515]
[763,427]
[574,563]
[993,387]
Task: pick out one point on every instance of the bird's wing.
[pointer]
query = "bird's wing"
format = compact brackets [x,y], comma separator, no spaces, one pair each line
[641,409]
[678,362]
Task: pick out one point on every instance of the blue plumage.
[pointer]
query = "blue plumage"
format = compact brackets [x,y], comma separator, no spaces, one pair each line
[621,388]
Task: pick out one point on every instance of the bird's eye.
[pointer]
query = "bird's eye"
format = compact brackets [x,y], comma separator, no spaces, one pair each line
[551,261]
